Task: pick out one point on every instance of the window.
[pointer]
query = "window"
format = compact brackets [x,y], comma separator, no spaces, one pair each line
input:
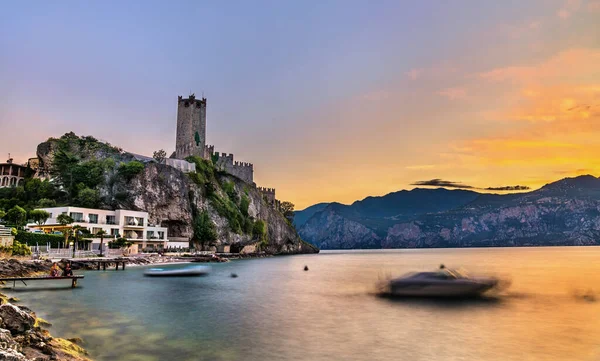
[161,235]
[114,232]
[150,235]
[95,230]
[93,218]
[77,216]
[140,221]
[110,220]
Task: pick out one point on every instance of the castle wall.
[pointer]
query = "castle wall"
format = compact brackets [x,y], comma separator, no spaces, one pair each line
[268,194]
[242,170]
[191,120]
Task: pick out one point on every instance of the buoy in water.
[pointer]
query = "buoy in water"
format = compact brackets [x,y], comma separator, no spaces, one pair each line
[234,275]
[306,268]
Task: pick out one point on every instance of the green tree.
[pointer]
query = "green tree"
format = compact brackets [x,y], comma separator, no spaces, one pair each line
[160,156]
[204,228]
[39,216]
[259,231]
[88,198]
[17,216]
[131,169]
[287,209]
[2,214]
[46,203]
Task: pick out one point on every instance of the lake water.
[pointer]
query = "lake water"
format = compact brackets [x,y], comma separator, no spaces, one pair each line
[276,311]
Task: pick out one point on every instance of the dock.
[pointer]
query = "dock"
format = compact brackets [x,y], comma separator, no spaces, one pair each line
[42,278]
[101,262]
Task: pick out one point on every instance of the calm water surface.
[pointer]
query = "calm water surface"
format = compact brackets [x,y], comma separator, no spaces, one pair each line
[276,311]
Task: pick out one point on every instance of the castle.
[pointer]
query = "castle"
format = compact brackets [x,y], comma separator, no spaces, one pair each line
[191,140]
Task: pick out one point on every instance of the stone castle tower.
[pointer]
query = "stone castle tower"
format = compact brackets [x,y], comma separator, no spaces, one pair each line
[191,127]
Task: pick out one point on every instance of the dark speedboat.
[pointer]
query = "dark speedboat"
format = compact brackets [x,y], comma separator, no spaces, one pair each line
[443,283]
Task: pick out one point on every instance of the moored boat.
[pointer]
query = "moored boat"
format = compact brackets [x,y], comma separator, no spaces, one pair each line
[179,272]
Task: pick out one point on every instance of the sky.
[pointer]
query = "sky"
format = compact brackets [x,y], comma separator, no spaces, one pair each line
[330,100]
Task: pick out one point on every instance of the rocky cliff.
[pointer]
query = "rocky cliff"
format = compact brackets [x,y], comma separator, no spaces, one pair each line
[566,212]
[210,208]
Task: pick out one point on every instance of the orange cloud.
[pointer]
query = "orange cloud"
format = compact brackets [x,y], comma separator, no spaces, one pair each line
[573,62]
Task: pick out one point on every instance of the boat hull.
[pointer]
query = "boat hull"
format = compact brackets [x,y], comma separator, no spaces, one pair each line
[458,288]
[185,272]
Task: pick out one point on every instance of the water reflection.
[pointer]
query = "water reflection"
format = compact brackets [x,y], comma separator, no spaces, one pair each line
[276,311]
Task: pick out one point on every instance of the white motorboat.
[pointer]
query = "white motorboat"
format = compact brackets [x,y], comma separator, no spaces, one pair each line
[443,283]
[179,272]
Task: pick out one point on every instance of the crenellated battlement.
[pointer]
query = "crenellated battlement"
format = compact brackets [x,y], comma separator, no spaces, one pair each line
[226,163]
[266,190]
[191,100]
[269,196]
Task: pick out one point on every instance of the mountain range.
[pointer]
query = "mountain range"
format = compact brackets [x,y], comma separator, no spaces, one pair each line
[565,212]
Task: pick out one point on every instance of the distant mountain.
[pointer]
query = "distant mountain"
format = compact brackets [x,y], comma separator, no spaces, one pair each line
[566,212]
[367,221]
[300,217]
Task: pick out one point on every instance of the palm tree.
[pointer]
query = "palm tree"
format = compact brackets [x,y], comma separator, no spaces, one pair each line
[77,231]
[65,220]
[101,233]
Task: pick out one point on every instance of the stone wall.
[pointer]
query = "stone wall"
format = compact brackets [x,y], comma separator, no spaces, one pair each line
[191,121]
[242,170]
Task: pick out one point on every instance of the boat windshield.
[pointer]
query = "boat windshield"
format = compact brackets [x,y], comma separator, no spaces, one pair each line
[449,273]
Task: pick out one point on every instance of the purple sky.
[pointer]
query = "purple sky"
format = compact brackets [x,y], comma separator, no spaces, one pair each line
[331,100]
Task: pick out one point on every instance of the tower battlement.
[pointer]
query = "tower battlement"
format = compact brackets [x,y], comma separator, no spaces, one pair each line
[269,196]
[242,170]
[191,100]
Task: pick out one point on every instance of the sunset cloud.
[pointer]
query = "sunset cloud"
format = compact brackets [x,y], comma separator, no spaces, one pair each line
[459,185]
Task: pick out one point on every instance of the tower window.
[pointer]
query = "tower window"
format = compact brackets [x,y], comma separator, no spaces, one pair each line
[186,104]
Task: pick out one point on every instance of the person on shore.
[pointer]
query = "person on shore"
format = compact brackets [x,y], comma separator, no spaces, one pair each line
[54,270]
[68,272]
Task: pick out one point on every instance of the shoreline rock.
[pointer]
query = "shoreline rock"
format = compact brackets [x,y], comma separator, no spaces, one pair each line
[22,336]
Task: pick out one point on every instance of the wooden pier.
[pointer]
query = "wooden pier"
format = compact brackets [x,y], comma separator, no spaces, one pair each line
[102,262]
[42,278]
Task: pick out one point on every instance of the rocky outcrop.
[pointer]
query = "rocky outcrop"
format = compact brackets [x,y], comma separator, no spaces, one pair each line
[15,320]
[173,199]
[329,230]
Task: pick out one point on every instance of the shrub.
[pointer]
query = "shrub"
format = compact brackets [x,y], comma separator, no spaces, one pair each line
[131,169]
[244,205]
[259,231]
[204,229]
[33,239]
[119,243]
[20,249]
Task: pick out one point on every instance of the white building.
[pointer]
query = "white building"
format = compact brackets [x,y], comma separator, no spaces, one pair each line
[132,225]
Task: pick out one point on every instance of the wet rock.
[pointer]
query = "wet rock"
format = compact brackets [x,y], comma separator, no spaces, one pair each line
[15,320]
